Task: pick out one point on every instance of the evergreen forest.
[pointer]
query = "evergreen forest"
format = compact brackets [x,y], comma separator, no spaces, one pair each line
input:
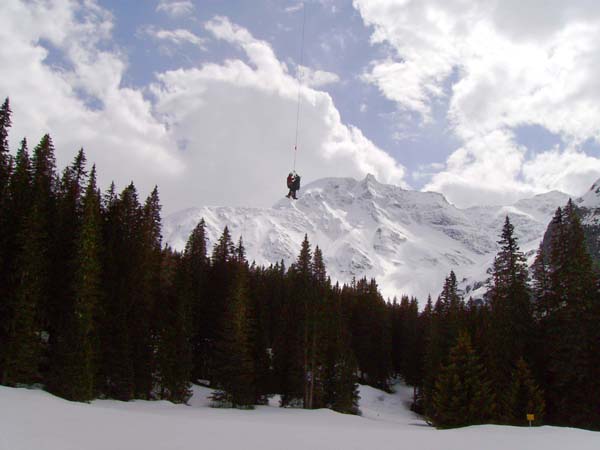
[94,305]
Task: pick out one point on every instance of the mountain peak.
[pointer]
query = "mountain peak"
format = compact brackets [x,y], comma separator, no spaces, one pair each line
[591,199]
[408,240]
[370,178]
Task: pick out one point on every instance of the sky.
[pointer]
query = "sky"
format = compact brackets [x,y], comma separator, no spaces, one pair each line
[486,102]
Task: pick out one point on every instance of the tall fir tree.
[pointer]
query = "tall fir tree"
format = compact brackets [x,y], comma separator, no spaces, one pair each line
[524,396]
[75,364]
[173,350]
[371,334]
[567,324]
[463,394]
[60,319]
[195,267]
[122,280]
[148,275]
[511,319]
[14,212]
[291,349]
[339,374]
[234,367]
[5,217]
[33,272]
[222,271]
[447,320]
[5,159]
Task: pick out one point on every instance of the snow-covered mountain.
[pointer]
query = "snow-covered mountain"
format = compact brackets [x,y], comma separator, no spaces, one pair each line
[588,207]
[408,240]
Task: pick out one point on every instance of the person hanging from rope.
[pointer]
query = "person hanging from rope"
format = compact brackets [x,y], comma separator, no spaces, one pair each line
[293,184]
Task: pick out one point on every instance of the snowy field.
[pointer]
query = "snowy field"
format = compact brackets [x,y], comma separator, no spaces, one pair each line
[36,420]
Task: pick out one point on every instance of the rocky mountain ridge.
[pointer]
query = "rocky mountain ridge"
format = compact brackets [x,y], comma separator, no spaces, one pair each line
[408,240]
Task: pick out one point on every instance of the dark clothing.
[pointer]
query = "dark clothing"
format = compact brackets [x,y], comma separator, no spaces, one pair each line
[293,184]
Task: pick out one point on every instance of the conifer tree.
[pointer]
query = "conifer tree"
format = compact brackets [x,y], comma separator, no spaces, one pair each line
[33,271]
[260,299]
[14,212]
[315,321]
[463,394]
[291,352]
[195,266]
[371,334]
[222,272]
[524,396]
[75,363]
[60,320]
[568,328]
[173,352]
[447,320]
[511,321]
[122,280]
[304,294]
[413,346]
[339,377]
[234,367]
[148,275]
[5,219]
[5,159]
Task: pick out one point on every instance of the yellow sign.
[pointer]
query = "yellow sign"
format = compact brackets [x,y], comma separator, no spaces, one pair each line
[530,417]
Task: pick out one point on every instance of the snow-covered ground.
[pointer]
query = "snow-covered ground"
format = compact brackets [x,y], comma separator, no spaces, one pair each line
[36,420]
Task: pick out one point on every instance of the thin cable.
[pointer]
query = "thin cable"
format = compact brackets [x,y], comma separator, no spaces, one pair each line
[299,85]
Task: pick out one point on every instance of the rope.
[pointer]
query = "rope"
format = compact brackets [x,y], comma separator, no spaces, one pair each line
[299,84]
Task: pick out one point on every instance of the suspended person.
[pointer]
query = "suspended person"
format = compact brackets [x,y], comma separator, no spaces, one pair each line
[293,184]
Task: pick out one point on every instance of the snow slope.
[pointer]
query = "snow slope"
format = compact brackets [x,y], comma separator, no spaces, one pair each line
[408,240]
[36,420]
[589,205]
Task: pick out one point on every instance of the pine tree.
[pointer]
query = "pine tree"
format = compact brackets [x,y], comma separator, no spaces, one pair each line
[75,363]
[371,334]
[5,222]
[60,319]
[511,320]
[524,396]
[447,320]
[5,160]
[148,275]
[222,272]
[195,267]
[291,349]
[462,394]
[260,299]
[234,367]
[339,374]
[316,325]
[16,207]
[173,353]
[33,271]
[122,280]
[567,325]
[413,350]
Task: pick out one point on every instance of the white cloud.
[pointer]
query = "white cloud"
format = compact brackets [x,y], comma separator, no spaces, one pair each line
[178,36]
[316,78]
[83,103]
[239,118]
[567,171]
[175,8]
[218,134]
[502,64]
[294,8]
